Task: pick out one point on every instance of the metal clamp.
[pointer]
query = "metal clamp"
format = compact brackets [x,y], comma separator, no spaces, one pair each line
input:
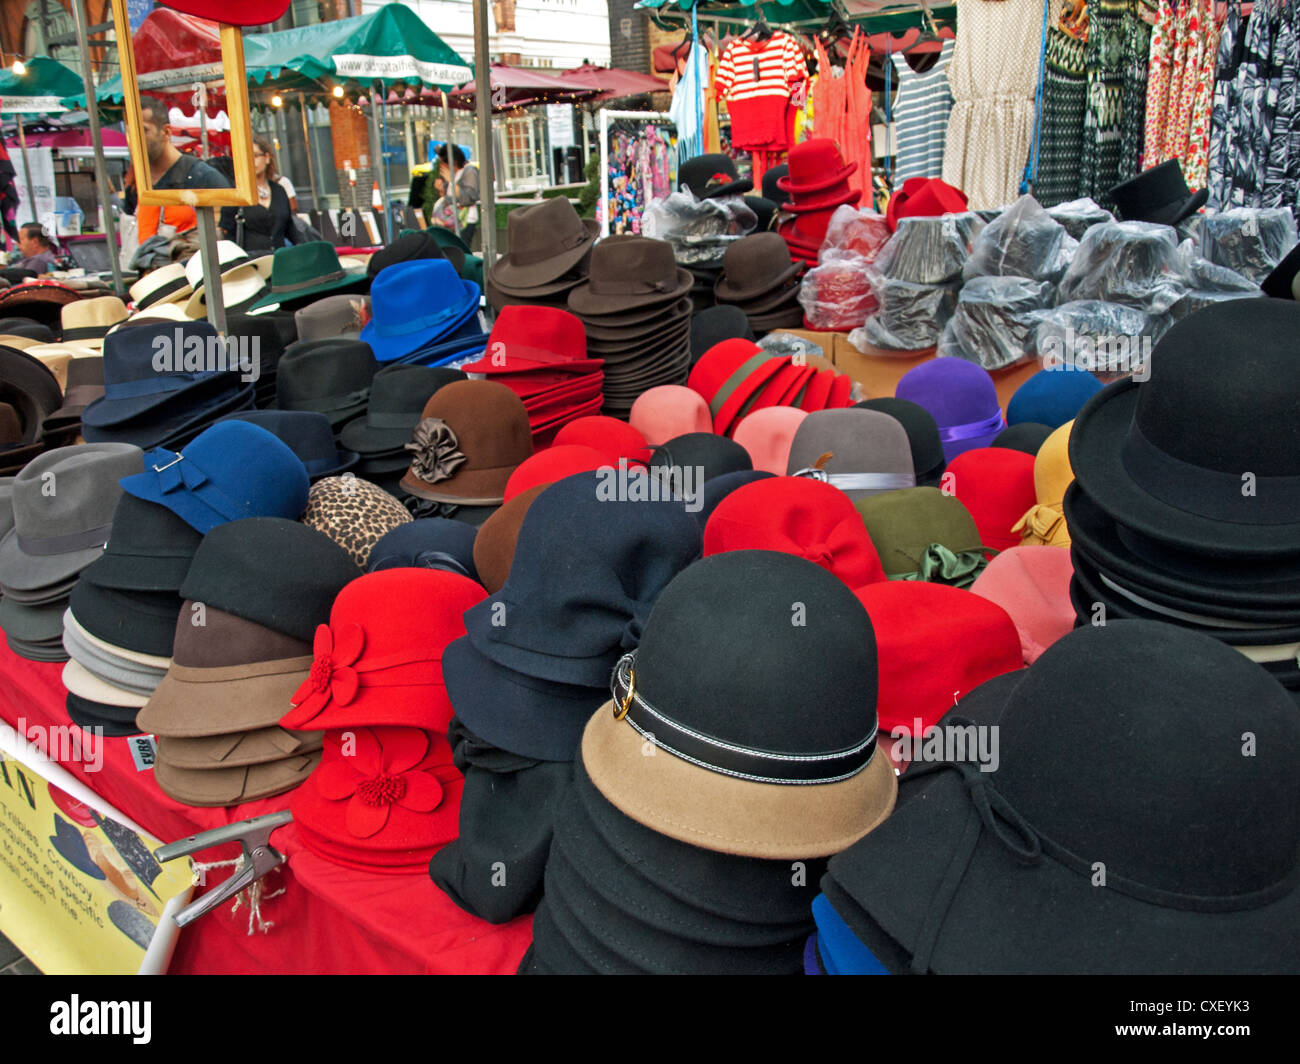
[258,858]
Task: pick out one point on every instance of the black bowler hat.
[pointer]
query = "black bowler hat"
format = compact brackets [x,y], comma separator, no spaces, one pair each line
[429,543]
[1124,829]
[711,176]
[1027,436]
[307,434]
[332,377]
[922,435]
[1158,195]
[419,244]
[273,572]
[1204,461]
[716,455]
[711,326]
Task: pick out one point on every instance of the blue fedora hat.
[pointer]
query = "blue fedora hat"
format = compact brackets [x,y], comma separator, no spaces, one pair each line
[72,848]
[229,471]
[466,344]
[414,304]
[144,368]
[1053,396]
[308,434]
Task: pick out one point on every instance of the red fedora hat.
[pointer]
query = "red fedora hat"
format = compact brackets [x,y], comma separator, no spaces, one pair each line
[815,165]
[729,373]
[923,197]
[785,384]
[828,199]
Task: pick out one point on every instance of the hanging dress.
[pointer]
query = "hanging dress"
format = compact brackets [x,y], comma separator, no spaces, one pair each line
[1137,51]
[1103,116]
[921,111]
[1065,95]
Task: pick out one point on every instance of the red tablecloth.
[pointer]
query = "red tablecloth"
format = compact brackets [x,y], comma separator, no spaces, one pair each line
[328,919]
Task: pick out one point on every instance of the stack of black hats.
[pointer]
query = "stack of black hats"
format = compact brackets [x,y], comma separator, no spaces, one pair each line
[331,377]
[1185,506]
[397,397]
[637,315]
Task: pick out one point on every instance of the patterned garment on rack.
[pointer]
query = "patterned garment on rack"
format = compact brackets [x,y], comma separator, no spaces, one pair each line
[1103,114]
[1174,144]
[1160,71]
[1137,50]
[920,112]
[1227,102]
[1282,166]
[1196,165]
[1065,95]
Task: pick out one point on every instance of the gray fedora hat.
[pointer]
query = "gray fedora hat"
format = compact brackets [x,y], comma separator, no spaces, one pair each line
[332,316]
[870,452]
[63,505]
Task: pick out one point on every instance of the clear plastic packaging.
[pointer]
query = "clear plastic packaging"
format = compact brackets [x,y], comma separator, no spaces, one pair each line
[780,344]
[854,234]
[1080,215]
[1249,240]
[1108,339]
[929,251]
[1133,263]
[994,324]
[699,230]
[911,316]
[1023,241]
[837,295]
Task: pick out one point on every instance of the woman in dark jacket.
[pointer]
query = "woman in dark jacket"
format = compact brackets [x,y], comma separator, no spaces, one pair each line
[260,230]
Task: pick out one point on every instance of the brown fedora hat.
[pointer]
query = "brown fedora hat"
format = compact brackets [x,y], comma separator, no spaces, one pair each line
[545,242]
[232,786]
[494,545]
[629,273]
[778,299]
[604,331]
[472,435]
[754,266]
[238,748]
[227,676]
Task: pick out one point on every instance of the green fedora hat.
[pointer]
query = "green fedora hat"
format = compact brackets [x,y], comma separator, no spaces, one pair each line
[303,271]
[924,534]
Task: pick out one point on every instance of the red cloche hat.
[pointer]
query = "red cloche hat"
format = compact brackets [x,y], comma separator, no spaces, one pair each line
[381,800]
[379,660]
[934,644]
[552,464]
[996,484]
[923,197]
[614,438]
[814,165]
[799,516]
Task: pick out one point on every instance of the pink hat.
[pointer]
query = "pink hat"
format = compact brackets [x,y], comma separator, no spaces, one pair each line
[767,434]
[1033,585]
[668,411]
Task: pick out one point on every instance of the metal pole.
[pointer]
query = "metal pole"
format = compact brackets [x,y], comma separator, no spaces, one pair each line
[97,142]
[377,161]
[27,168]
[483,110]
[451,167]
[311,163]
[212,294]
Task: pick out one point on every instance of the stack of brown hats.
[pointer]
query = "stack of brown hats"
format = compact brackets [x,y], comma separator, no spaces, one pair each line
[637,313]
[29,393]
[548,254]
[760,278]
[255,595]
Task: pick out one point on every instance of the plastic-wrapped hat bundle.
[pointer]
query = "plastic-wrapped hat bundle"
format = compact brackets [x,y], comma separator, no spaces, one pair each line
[1023,241]
[1162,789]
[1133,263]
[994,322]
[1078,216]
[1248,240]
[1182,508]
[759,277]
[769,784]
[62,505]
[387,794]
[835,294]
[549,254]
[1108,340]
[540,354]
[254,595]
[1210,282]
[636,316]
[588,566]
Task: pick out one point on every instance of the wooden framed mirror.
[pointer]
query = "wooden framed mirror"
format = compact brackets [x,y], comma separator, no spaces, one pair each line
[152,90]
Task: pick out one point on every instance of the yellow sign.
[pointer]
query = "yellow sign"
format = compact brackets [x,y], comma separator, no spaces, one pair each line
[80,893]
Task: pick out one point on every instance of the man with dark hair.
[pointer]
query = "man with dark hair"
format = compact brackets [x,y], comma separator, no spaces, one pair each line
[169,168]
[35,248]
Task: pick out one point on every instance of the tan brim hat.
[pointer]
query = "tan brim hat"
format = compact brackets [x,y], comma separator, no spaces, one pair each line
[20,342]
[55,358]
[172,276]
[156,312]
[193,703]
[239,285]
[231,786]
[725,813]
[86,321]
[239,749]
[83,683]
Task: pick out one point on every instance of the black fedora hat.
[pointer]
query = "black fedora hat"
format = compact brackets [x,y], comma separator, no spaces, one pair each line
[713,325]
[415,245]
[28,329]
[28,385]
[711,176]
[1201,460]
[397,396]
[1133,772]
[332,377]
[1158,195]
[922,435]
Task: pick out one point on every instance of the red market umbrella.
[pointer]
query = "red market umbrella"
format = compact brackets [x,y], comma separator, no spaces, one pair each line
[518,87]
[612,82]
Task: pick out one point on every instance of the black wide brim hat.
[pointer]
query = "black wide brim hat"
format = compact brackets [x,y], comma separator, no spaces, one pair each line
[1159,195]
[1097,442]
[28,383]
[1250,592]
[1280,283]
[1006,916]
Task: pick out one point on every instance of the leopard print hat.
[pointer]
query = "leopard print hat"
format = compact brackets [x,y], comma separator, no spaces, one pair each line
[354,513]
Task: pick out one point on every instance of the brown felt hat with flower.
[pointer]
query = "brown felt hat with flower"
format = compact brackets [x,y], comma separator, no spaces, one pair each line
[472,435]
